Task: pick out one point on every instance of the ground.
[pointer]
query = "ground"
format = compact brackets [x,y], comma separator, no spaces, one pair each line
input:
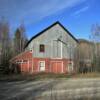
[51,89]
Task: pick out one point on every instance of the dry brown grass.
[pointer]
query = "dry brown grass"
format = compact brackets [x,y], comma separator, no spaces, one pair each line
[42,76]
[87,75]
[33,77]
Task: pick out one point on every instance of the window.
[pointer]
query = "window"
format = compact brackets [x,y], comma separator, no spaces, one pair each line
[19,61]
[42,48]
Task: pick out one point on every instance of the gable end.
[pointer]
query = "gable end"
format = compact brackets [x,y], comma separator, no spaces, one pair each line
[49,28]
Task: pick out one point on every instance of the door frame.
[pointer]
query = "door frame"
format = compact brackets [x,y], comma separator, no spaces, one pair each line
[39,66]
[72,66]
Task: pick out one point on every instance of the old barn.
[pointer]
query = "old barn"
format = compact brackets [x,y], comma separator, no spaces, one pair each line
[50,51]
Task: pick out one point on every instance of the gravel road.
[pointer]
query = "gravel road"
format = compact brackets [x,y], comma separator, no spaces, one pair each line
[50,89]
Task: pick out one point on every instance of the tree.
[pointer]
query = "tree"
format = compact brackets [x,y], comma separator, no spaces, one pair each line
[85,56]
[20,39]
[76,58]
[95,37]
[5,41]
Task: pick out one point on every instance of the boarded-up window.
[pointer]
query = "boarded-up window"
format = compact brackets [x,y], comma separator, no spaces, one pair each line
[42,48]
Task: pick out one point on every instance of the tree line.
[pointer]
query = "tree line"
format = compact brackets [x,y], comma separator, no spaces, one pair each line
[89,52]
[10,45]
[95,38]
[86,57]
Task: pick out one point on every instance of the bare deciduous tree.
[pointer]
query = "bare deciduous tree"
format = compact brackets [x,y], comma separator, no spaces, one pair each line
[76,59]
[20,39]
[5,42]
[95,37]
[85,56]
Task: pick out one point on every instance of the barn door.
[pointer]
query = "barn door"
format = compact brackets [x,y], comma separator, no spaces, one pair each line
[56,67]
[42,65]
[70,67]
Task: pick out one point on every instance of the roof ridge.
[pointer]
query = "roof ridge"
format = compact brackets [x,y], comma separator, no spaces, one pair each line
[57,22]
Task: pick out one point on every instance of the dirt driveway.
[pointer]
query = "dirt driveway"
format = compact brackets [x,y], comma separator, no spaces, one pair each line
[60,89]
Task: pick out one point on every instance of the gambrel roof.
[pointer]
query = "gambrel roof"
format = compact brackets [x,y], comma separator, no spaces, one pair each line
[49,28]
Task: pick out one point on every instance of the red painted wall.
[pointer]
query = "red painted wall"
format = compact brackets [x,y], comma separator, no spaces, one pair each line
[32,64]
[36,64]
[50,65]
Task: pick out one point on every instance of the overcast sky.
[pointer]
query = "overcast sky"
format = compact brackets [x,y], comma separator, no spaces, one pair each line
[76,15]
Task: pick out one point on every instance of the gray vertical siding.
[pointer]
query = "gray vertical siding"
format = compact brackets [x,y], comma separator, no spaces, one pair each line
[52,47]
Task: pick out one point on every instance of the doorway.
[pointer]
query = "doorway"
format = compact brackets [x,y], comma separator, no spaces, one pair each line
[42,65]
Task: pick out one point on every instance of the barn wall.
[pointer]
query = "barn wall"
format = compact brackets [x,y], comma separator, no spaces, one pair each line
[70,46]
[36,64]
[52,47]
[51,66]
[48,65]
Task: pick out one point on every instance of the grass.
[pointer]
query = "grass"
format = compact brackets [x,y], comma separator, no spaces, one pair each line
[51,75]
[88,75]
[42,76]
[39,76]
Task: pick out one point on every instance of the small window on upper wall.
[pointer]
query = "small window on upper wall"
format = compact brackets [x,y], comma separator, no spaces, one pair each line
[42,48]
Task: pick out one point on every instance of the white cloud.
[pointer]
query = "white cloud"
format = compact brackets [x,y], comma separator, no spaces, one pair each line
[34,10]
[45,8]
[78,12]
